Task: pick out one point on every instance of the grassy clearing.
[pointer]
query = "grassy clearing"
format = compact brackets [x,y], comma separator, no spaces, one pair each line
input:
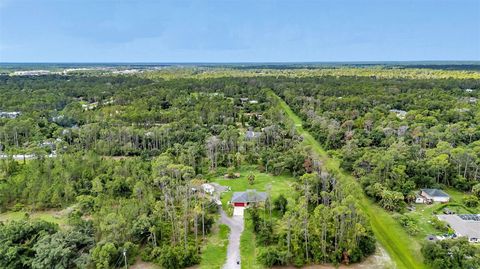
[248,246]
[404,250]
[50,216]
[281,184]
[215,253]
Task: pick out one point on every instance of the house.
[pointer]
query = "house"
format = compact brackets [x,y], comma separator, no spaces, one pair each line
[207,188]
[31,73]
[252,135]
[253,102]
[245,198]
[240,200]
[467,225]
[9,115]
[468,90]
[400,113]
[420,199]
[434,195]
[48,144]
[89,106]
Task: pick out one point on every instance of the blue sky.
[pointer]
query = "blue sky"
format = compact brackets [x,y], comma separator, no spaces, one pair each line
[238,31]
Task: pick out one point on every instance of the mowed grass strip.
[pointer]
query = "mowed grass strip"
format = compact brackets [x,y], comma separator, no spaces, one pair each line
[248,246]
[215,253]
[403,249]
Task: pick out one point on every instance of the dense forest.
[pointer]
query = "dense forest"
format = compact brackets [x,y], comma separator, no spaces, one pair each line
[125,157]
[395,135]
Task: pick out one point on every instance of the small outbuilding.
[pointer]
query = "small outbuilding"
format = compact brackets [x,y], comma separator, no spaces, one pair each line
[207,188]
[400,113]
[252,135]
[420,199]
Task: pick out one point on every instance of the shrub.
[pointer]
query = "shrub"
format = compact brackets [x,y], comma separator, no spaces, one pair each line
[439,225]
[104,255]
[280,204]
[409,223]
[476,190]
[270,256]
[86,203]
[470,201]
[18,207]
[451,254]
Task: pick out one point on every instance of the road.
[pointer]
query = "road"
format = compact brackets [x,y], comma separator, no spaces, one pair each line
[236,226]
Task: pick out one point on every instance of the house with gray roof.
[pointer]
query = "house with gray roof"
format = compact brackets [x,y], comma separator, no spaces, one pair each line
[467,225]
[252,135]
[400,113]
[245,198]
[434,195]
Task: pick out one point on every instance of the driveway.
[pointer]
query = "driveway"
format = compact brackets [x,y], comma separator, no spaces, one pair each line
[235,224]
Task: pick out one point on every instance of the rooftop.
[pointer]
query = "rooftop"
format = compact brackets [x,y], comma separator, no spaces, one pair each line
[249,196]
[464,225]
[252,134]
[435,192]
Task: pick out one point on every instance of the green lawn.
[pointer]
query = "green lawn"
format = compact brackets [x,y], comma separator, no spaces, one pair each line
[404,250]
[248,246]
[456,196]
[50,216]
[214,254]
[281,184]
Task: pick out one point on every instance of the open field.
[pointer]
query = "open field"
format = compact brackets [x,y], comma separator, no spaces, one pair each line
[281,184]
[403,249]
[215,251]
[50,216]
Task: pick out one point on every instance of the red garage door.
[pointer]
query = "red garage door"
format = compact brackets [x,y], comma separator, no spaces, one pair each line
[239,204]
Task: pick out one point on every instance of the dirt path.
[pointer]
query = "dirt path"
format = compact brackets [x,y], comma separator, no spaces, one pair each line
[379,260]
[236,226]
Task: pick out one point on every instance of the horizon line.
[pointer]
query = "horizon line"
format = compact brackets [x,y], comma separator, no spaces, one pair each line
[254,62]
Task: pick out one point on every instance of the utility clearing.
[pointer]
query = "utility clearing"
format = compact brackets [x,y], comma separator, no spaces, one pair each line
[404,250]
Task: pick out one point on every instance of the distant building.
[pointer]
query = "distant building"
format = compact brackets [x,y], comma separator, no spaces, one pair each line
[89,106]
[434,195]
[252,135]
[467,225]
[207,188]
[400,113]
[253,102]
[9,115]
[31,73]
[48,144]
[468,90]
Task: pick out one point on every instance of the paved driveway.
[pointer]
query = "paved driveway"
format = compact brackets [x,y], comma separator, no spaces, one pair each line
[233,251]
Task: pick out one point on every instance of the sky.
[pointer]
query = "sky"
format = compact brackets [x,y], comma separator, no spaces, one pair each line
[238,31]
